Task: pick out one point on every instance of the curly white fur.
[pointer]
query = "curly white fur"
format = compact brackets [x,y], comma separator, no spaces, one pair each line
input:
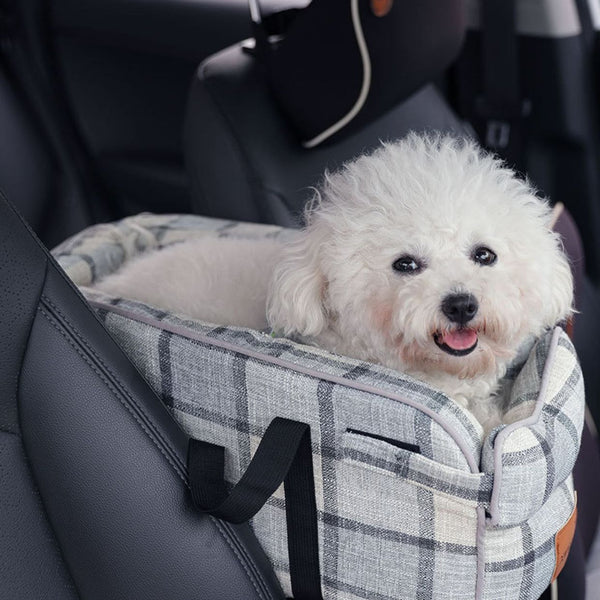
[435,199]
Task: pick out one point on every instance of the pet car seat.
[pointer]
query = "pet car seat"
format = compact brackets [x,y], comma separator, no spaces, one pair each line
[94,499]
[243,152]
[408,492]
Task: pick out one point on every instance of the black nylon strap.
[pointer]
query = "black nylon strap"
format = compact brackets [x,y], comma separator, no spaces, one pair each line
[501,87]
[283,455]
[588,32]
[301,519]
[501,109]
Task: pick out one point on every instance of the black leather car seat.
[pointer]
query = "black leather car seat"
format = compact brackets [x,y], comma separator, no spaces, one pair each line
[94,499]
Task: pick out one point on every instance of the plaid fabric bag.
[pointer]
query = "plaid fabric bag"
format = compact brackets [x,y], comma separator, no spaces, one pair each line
[412,502]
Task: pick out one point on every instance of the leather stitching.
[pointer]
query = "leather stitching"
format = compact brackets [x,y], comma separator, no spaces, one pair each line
[116,393]
[150,425]
[26,345]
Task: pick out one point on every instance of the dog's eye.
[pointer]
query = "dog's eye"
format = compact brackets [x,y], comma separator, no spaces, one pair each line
[484,256]
[407,264]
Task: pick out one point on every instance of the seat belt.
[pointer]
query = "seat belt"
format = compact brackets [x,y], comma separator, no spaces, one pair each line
[587,25]
[501,111]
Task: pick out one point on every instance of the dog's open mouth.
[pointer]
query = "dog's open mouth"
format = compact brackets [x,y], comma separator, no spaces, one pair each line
[457,342]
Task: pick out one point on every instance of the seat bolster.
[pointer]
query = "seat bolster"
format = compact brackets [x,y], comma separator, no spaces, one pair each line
[22,273]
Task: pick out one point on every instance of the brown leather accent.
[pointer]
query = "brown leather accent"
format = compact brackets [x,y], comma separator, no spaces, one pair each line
[563,540]
[570,327]
[381,8]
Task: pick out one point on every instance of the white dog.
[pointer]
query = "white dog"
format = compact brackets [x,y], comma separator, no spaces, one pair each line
[428,256]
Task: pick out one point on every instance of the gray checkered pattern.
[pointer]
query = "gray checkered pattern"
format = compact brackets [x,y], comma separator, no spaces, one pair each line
[462,518]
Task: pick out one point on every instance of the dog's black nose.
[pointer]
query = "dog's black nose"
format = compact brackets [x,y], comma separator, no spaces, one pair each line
[460,308]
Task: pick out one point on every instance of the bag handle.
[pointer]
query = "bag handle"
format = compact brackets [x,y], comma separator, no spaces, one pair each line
[283,455]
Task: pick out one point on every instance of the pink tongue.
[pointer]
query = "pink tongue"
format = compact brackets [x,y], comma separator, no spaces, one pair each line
[460,339]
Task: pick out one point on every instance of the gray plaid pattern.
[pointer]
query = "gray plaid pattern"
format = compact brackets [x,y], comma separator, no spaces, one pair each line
[393,523]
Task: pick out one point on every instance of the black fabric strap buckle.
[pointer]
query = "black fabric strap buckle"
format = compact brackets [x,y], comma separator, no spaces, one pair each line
[500,121]
[283,455]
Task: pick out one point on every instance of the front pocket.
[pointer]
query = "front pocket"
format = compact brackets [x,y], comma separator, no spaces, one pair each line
[391,459]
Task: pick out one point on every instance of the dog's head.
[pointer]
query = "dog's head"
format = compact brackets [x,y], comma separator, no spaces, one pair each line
[427,255]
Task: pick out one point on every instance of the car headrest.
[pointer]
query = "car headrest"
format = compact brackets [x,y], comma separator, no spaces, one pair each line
[243,159]
[340,64]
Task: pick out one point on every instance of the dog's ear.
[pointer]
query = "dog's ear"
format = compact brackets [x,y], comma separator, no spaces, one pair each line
[296,299]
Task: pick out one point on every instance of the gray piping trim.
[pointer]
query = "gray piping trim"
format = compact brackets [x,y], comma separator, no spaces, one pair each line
[470,458]
[532,420]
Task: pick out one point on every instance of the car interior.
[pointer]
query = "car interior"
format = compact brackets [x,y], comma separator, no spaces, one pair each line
[110,108]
